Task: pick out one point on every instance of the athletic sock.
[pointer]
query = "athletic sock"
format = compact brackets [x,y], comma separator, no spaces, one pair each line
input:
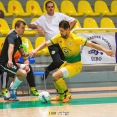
[16,83]
[61,87]
[56,86]
[11,84]
[32,88]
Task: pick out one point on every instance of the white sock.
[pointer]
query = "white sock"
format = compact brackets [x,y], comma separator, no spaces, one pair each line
[16,83]
[11,84]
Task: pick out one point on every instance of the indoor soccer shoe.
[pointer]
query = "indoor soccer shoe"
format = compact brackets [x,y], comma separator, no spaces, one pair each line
[4,92]
[67,99]
[56,98]
[34,92]
[13,96]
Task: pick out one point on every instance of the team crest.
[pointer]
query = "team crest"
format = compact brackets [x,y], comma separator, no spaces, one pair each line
[53,52]
[66,51]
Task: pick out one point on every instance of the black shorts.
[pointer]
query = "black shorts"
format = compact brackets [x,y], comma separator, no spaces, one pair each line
[1,72]
[58,50]
[10,71]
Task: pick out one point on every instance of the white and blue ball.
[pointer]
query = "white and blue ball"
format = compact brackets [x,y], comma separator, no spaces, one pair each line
[44,97]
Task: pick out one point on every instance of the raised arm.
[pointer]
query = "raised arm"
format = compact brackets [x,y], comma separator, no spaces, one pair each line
[98,47]
[23,53]
[40,47]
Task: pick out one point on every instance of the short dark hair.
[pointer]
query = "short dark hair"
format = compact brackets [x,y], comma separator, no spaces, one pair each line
[64,24]
[17,24]
[46,4]
[1,14]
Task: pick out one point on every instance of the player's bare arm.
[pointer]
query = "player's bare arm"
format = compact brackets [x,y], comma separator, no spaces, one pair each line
[98,47]
[10,53]
[40,47]
[23,53]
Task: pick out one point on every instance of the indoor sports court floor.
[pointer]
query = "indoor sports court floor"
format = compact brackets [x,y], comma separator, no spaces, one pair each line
[92,104]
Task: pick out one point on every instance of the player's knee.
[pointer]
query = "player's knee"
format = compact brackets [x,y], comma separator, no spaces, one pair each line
[22,73]
[55,76]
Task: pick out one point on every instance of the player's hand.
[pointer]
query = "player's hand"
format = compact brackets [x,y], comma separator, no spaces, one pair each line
[32,53]
[9,64]
[110,53]
[25,54]
[27,68]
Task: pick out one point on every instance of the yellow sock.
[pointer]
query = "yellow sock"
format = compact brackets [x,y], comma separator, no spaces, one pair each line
[56,86]
[32,88]
[62,85]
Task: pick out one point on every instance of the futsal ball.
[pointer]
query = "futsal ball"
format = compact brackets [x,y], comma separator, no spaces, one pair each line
[44,97]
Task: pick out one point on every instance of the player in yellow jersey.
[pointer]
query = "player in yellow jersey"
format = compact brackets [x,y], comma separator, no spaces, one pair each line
[70,45]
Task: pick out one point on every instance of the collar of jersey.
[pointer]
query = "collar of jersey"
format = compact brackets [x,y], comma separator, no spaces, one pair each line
[16,33]
[51,16]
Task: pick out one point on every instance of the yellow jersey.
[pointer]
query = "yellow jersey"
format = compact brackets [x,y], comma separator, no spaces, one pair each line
[70,46]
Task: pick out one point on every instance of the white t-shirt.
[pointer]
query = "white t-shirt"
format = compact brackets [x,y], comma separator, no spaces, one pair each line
[50,24]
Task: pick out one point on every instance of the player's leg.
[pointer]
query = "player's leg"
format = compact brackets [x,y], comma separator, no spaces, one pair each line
[19,75]
[1,72]
[31,81]
[60,53]
[67,70]
[4,82]
[61,87]
[57,57]
[59,83]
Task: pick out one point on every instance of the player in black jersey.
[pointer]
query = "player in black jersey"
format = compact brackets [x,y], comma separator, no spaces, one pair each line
[13,43]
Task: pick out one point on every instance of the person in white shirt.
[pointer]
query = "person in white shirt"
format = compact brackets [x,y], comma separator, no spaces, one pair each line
[48,25]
